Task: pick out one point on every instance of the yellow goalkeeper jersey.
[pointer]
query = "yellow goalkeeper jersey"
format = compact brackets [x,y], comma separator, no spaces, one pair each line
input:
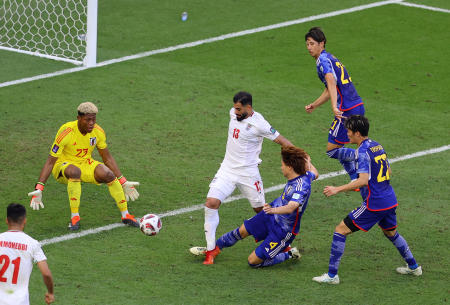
[71,145]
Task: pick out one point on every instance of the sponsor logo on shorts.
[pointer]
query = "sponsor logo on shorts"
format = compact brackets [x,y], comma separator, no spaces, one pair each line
[55,148]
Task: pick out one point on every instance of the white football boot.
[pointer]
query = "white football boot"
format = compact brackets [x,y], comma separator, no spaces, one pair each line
[325,278]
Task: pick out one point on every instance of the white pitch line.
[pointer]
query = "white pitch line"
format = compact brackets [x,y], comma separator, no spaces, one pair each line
[203,41]
[426,7]
[229,199]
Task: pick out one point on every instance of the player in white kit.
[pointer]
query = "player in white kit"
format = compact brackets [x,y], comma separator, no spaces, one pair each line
[239,168]
[18,251]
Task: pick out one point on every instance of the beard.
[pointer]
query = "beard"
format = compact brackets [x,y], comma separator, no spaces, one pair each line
[243,116]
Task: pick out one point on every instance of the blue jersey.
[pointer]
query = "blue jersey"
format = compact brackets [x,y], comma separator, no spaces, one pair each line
[297,190]
[347,97]
[371,158]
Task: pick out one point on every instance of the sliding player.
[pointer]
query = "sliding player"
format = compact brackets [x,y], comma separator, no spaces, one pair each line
[378,206]
[345,101]
[279,222]
[71,163]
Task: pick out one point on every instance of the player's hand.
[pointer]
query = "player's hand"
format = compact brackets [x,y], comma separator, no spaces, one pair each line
[309,108]
[49,298]
[130,190]
[338,113]
[330,190]
[36,200]
[267,209]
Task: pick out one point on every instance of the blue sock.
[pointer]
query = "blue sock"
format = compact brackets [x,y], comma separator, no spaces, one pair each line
[279,258]
[337,249]
[229,239]
[403,248]
[346,156]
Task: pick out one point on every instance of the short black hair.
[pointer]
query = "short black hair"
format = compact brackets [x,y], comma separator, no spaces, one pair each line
[16,212]
[316,34]
[243,97]
[358,123]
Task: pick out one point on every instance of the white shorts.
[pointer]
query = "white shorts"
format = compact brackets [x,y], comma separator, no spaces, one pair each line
[251,186]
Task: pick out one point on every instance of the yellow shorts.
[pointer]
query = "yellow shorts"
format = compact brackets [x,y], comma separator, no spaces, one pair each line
[87,170]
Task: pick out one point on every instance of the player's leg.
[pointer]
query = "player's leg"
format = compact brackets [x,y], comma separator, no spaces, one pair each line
[102,174]
[270,251]
[337,137]
[72,174]
[388,225]
[220,188]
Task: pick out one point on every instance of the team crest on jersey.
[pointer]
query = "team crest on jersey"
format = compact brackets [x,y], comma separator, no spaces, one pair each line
[272,130]
[321,69]
[93,141]
[55,148]
[248,127]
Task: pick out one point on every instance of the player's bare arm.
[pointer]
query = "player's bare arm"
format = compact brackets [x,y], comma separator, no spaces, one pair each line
[286,209]
[362,181]
[109,161]
[324,97]
[283,141]
[47,169]
[48,281]
[331,87]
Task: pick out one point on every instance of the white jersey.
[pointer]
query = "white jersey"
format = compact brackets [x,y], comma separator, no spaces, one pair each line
[245,140]
[18,252]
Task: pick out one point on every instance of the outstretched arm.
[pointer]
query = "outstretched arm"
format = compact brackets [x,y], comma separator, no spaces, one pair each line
[47,169]
[362,180]
[36,195]
[283,141]
[325,96]
[286,209]
[109,161]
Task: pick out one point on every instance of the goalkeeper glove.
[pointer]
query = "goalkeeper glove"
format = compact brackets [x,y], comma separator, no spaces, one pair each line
[128,188]
[36,197]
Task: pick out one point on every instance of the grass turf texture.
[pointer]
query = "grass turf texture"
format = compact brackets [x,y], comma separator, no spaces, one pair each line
[166,118]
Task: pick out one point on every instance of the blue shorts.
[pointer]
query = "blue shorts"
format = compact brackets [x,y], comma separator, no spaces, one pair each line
[263,227]
[364,219]
[338,133]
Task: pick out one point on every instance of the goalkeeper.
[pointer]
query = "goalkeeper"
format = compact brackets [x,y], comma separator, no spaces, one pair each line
[71,163]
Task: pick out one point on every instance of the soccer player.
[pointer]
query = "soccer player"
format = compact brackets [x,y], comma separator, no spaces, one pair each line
[378,206]
[18,251]
[279,222]
[246,132]
[70,162]
[339,88]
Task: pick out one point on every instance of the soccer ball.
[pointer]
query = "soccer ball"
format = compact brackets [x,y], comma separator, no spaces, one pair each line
[150,224]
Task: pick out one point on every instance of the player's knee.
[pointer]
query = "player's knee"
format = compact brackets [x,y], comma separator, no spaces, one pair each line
[72,172]
[254,265]
[212,203]
[103,174]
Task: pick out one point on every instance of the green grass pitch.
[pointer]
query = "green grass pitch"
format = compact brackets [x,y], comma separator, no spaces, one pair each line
[166,119]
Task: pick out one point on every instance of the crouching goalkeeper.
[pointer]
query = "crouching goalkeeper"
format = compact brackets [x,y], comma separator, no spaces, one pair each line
[70,162]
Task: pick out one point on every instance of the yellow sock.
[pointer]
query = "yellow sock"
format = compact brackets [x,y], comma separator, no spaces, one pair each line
[116,191]
[74,192]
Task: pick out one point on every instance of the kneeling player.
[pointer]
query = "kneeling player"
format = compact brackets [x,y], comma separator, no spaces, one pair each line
[279,222]
[71,163]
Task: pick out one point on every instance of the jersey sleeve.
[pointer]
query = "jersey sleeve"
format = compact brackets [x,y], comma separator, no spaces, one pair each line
[363,163]
[325,65]
[265,129]
[37,253]
[62,138]
[101,137]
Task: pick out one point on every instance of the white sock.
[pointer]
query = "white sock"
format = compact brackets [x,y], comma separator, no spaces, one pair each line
[124,213]
[75,214]
[211,223]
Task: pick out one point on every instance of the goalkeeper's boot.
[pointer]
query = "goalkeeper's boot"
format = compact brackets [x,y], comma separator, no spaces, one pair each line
[325,278]
[74,224]
[198,250]
[130,220]
[407,270]
[211,255]
[294,253]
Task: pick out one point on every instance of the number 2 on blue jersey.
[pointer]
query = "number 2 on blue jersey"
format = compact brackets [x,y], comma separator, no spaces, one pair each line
[343,79]
[381,159]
